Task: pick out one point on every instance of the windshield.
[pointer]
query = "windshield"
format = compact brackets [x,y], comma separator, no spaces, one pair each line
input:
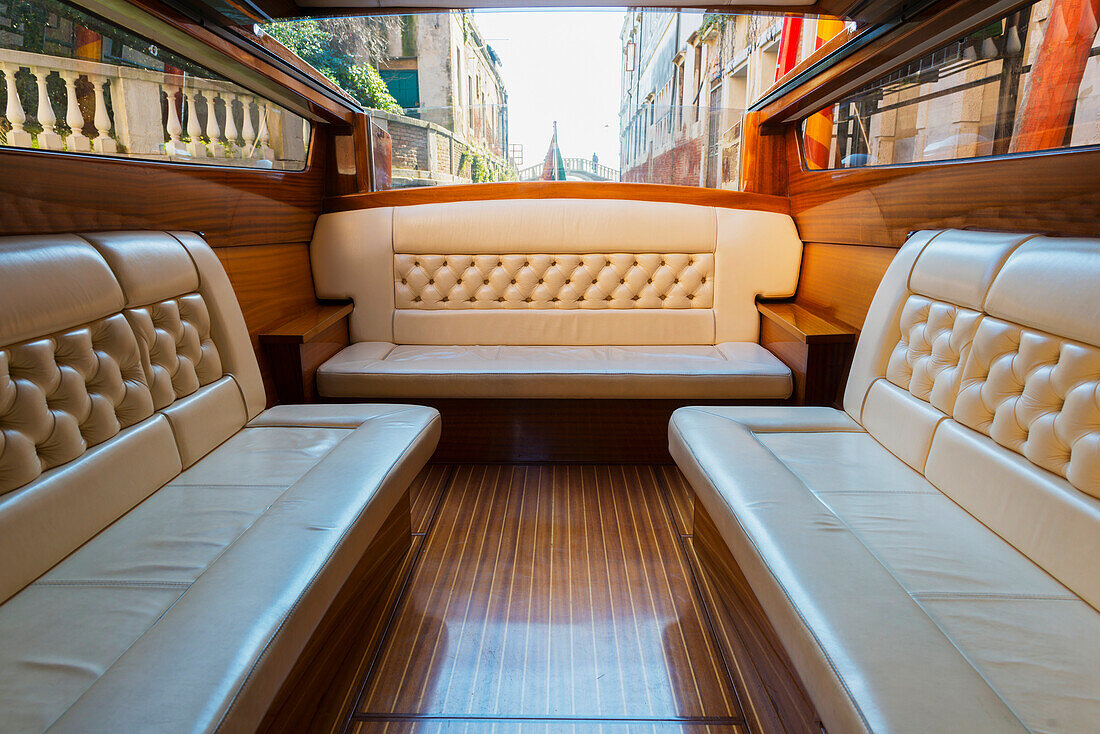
[589,95]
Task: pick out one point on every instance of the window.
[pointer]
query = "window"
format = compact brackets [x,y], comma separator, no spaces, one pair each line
[404,85]
[1027,82]
[73,82]
[644,103]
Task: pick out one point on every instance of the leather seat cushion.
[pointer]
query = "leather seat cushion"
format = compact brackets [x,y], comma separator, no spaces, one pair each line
[901,611]
[187,613]
[734,370]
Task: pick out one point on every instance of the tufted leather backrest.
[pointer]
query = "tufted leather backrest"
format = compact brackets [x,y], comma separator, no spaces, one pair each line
[555,271]
[980,366]
[112,379]
[615,281]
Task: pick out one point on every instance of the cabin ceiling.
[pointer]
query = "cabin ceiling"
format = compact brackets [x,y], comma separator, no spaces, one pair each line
[250,11]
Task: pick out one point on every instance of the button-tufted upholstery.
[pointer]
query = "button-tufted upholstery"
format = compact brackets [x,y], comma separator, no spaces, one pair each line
[929,554]
[552,286]
[168,546]
[618,281]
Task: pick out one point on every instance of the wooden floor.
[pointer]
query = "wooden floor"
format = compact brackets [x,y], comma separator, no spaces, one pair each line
[551,598]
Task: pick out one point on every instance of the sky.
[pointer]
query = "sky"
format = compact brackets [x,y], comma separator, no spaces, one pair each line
[559,65]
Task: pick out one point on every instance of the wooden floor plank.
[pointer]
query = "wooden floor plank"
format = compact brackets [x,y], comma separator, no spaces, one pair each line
[425,492]
[550,590]
[680,496]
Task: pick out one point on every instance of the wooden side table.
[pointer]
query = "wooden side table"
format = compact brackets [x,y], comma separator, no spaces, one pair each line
[296,348]
[817,349]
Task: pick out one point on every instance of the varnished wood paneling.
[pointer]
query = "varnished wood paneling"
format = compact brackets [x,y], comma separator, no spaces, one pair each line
[547,429]
[560,190]
[805,324]
[776,700]
[841,280]
[293,367]
[45,193]
[817,349]
[763,158]
[296,348]
[548,593]
[273,284]
[791,352]
[316,696]
[309,325]
[1056,193]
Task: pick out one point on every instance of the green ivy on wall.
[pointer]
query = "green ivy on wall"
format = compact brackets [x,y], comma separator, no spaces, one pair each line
[320,48]
[483,167]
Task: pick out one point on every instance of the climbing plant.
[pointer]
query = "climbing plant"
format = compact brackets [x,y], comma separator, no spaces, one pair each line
[483,167]
[336,49]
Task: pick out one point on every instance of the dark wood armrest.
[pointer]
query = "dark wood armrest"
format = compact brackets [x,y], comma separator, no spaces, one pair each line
[308,325]
[805,325]
[818,349]
[296,348]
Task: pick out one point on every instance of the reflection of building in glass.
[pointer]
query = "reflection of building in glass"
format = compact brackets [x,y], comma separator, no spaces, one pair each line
[687,78]
[976,96]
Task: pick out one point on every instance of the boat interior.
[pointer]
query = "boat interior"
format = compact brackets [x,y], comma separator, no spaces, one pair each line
[321,412]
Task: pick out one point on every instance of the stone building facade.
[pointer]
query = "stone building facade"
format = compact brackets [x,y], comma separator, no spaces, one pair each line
[441,70]
[687,78]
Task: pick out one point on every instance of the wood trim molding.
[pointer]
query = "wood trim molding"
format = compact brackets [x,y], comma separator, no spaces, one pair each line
[763,159]
[283,9]
[560,190]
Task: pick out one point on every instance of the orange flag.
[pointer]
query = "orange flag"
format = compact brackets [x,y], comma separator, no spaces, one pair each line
[819,127]
[789,41]
[1055,77]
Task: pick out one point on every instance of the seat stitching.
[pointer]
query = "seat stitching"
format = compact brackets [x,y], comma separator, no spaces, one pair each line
[885,567]
[933,595]
[221,485]
[857,429]
[890,571]
[282,623]
[889,492]
[123,583]
[201,574]
[779,583]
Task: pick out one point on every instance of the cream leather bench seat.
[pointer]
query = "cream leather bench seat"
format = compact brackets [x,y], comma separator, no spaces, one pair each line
[930,555]
[168,546]
[555,298]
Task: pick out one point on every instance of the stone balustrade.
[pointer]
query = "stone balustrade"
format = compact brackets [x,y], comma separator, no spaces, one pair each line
[118,110]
